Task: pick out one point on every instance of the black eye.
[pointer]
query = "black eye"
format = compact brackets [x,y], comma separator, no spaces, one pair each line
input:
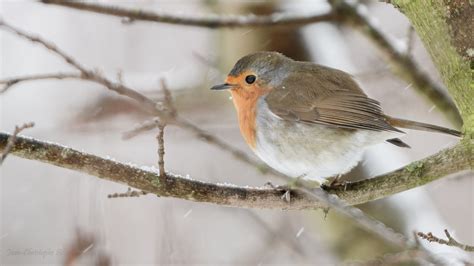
[250,79]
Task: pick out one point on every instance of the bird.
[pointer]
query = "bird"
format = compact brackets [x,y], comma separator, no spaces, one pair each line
[307,120]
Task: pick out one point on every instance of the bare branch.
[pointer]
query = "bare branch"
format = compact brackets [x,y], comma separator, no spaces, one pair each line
[208,21]
[87,74]
[447,38]
[238,154]
[448,161]
[167,99]
[406,66]
[12,139]
[146,103]
[450,242]
[343,12]
[10,82]
[141,128]
[161,186]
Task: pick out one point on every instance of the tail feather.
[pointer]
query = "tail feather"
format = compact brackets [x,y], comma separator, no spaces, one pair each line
[397,122]
[398,142]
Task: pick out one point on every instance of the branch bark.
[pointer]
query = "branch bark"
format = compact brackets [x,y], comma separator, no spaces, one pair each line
[446,162]
[10,82]
[405,65]
[343,13]
[209,21]
[434,23]
[154,108]
[450,242]
[12,139]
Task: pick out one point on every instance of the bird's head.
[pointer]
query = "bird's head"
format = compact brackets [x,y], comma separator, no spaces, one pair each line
[256,74]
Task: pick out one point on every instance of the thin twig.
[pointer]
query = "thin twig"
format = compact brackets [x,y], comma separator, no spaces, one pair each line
[343,12]
[12,139]
[146,103]
[202,135]
[448,161]
[318,196]
[238,154]
[168,106]
[87,74]
[450,242]
[361,219]
[274,236]
[141,128]
[208,21]
[10,82]
[168,99]
[271,239]
[161,150]
[352,14]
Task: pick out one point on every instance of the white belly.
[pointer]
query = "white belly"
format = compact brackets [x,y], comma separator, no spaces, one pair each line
[311,151]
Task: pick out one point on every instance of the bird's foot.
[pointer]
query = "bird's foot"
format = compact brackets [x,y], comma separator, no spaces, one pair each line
[285,189]
[334,183]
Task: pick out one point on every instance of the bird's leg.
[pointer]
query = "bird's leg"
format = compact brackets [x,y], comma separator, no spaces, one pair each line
[292,184]
[281,188]
[334,182]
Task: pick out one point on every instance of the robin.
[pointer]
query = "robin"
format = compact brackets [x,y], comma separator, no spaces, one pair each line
[308,120]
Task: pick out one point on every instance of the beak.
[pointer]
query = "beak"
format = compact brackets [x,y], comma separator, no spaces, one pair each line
[224,86]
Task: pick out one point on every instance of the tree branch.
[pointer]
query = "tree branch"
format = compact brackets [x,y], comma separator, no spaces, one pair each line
[161,150]
[228,195]
[342,12]
[406,66]
[437,28]
[87,74]
[146,103]
[450,242]
[10,82]
[208,21]
[12,139]
[448,161]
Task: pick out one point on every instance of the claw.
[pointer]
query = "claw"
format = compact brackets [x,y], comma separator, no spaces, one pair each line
[335,183]
[285,188]
[286,196]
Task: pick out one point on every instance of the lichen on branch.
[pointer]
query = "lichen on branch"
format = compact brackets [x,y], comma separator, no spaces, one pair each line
[448,161]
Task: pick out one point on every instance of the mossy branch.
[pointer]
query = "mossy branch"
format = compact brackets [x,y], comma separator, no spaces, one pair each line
[438,24]
[448,161]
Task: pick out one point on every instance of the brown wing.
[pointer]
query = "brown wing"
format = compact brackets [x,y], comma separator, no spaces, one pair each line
[321,95]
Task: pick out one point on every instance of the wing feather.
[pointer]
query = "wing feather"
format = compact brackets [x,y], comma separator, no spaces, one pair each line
[321,95]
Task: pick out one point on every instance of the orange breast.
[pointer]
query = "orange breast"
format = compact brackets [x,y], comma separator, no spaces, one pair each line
[246,105]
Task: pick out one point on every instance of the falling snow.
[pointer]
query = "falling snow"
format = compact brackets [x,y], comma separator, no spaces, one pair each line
[408,86]
[88,248]
[188,213]
[300,232]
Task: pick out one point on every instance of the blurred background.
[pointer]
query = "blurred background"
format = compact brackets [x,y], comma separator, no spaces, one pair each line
[45,210]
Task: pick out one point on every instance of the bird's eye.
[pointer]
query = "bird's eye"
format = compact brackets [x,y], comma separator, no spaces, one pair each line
[250,79]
